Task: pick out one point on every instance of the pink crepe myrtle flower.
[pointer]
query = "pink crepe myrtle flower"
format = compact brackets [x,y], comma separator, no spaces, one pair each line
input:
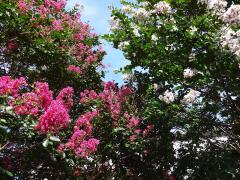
[59,5]
[76,138]
[57,25]
[11,45]
[27,104]
[74,69]
[65,96]
[87,147]
[23,6]
[44,94]
[54,119]
[10,86]
[133,138]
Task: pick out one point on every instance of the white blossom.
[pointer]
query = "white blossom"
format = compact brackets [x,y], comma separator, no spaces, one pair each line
[217,7]
[193,29]
[154,37]
[136,32]
[167,97]
[156,86]
[145,4]
[162,7]
[231,39]
[232,15]
[115,24]
[127,77]
[190,97]
[123,45]
[127,9]
[188,73]
[141,14]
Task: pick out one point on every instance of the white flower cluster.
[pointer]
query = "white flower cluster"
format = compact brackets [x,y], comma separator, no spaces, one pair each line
[127,9]
[216,6]
[142,14]
[123,45]
[167,97]
[231,39]
[232,15]
[154,37]
[188,73]
[190,97]
[114,24]
[162,7]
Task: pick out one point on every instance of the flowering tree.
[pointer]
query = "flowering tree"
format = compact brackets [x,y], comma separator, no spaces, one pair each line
[185,68]
[57,118]
[43,122]
[40,38]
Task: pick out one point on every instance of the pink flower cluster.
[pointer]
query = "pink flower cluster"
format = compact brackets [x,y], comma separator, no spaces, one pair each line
[44,94]
[133,123]
[31,103]
[82,148]
[57,25]
[11,45]
[23,6]
[9,86]
[27,104]
[53,115]
[78,143]
[111,97]
[65,96]
[55,118]
[40,101]
[74,69]
[43,12]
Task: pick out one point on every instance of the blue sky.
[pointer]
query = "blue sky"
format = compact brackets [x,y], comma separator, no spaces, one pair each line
[97,13]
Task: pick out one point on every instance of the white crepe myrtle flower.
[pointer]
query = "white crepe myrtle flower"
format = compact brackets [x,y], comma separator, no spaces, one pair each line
[217,7]
[188,73]
[145,4]
[127,77]
[114,24]
[193,29]
[231,39]
[154,37]
[142,14]
[190,97]
[123,45]
[136,32]
[127,9]
[162,7]
[232,15]
[167,97]
[156,86]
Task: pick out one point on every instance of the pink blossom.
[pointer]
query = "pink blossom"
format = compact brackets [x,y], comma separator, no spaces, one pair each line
[44,94]
[23,6]
[55,118]
[87,147]
[133,138]
[11,46]
[61,148]
[57,25]
[132,122]
[66,97]
[74,69]
[10,86]
[27,104]
[59,5]
[148,130]
[78,136]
